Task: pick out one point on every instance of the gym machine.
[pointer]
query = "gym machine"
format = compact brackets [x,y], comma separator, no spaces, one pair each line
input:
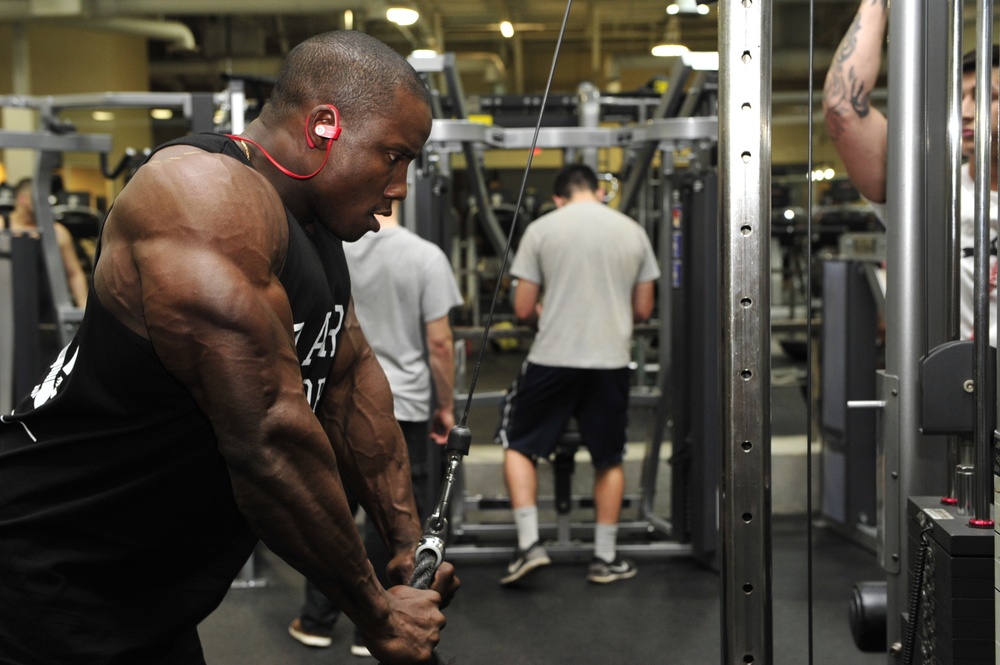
[695,139]
[21,349]
[852,303]
[58,137]
[935,524]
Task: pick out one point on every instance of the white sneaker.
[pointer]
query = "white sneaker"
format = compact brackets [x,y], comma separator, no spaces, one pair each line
[360,650]
[526,561]
[309,639]
[603,572]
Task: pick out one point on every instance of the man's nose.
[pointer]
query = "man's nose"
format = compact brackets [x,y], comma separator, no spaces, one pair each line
[968,106]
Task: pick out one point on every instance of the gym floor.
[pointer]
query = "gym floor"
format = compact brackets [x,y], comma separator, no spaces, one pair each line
[669,613]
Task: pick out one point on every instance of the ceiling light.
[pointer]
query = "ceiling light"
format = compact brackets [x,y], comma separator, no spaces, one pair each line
[103,116]
[402,15]
[506,29]
[161,114]
[669,50]
[687,7]
[707,61]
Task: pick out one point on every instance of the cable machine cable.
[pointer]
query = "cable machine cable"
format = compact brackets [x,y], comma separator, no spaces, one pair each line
[809,338]
[430,549]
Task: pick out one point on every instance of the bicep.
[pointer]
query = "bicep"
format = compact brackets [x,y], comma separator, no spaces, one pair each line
[438,331]
[525,298]
[220,322]
[186,265]
[862,143]
[643,298]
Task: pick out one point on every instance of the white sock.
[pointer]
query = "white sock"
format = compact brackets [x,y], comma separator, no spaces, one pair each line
[605,541]
[526,520]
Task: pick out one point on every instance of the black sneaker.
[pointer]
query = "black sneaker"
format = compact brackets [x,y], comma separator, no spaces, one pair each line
[526,561]
[603,572]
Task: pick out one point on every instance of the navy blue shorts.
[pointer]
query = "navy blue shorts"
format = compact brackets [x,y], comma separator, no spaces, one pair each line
[542,399]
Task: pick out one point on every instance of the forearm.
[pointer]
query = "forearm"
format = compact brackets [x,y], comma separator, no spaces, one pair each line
[78,287]
[295,502]
[372,454]
[857,130]
[441,359]
[856,64]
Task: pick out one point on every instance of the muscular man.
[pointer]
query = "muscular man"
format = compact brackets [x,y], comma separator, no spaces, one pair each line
[860,135]
[220,389]
[597,269]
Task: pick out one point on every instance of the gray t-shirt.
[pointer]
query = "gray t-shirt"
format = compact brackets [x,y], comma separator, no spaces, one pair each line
[400,282]
[587,257]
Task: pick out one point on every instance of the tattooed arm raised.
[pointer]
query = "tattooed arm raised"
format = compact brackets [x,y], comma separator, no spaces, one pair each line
[857,129]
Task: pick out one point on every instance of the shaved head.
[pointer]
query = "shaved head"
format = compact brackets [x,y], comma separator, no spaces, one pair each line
[351,70]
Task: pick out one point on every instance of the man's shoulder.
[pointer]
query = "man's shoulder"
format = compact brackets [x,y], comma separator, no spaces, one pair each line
[190,193]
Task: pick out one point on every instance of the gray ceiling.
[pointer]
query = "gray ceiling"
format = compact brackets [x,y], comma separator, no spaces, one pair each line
[607,41]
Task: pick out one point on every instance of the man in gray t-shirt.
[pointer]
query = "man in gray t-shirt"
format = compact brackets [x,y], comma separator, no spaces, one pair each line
[596,269]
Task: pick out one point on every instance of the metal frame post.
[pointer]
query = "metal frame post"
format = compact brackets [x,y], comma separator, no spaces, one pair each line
[745,205]
[957,450]
[909,466]
[6,325]
[984,373]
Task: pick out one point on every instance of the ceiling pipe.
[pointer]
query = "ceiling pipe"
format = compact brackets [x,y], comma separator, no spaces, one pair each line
[177,35]
[245,7]
[485,63]
[473,61]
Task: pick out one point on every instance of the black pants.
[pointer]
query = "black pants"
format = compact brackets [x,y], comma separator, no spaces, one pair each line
[319,614]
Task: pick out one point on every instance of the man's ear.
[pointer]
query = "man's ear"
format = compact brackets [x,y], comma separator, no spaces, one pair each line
[560,201]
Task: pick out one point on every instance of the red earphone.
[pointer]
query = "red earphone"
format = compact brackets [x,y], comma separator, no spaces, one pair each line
[323,131]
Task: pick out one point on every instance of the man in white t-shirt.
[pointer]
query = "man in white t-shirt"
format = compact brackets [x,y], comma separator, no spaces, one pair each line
[597,270]
[859,133]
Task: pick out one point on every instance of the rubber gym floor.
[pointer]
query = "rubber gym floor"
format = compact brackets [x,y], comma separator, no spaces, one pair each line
[669,613]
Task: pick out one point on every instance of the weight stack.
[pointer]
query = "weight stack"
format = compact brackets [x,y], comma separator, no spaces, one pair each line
[956,620]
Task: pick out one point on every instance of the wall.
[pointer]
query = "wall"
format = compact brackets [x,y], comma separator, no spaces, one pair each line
[66,60]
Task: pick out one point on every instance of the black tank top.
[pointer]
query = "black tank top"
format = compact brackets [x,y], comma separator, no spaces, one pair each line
[119,532]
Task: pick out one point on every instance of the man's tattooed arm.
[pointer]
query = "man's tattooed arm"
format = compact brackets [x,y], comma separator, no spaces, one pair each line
[858,130]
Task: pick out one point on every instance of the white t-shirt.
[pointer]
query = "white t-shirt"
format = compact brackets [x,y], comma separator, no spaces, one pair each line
[587,257]
[401,282]
[967,267]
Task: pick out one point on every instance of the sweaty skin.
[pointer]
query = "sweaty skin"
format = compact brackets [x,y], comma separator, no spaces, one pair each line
[190,260]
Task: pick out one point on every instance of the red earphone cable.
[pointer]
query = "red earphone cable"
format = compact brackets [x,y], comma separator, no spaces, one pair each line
[297,176]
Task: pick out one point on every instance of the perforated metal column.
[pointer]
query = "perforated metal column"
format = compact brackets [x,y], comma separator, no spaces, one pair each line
[745,169]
